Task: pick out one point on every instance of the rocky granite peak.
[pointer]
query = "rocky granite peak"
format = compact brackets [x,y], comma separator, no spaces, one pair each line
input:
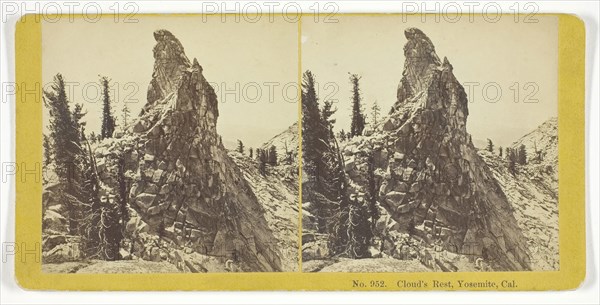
[183,185]
[423,70]
[432,181]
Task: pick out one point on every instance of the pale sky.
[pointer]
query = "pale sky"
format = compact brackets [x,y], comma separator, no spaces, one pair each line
[264,55]
[500,53]
[260,57]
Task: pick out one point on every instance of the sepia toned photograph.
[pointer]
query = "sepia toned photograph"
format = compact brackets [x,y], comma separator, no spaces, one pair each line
[429,146]
[170,145]
[298,147]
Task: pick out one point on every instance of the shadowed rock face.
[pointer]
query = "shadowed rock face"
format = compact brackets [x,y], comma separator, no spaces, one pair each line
[186,187]
[428,169]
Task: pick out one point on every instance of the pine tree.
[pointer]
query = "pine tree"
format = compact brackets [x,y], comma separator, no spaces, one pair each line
[490,146]
[64,131]
[539,154]
[500,151]
[65,144]
[333,201]
[108,121]
[267,156]
[316,159]
[325,184]
[47,150]
[311,121]
[240,147]
[250,152]
[358,120]
[512,160]
[342,135]
[289,155]
[375,111]
[522,155]
[273,155]
[92,137]
[125,114]
[262,161]
[78,115]
[327,113]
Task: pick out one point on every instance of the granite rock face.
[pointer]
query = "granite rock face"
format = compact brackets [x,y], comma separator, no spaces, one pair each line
[430,175]
[183,185]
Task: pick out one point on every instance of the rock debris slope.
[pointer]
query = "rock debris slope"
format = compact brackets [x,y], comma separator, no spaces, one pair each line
[277,191]
[431,177]
[532,189]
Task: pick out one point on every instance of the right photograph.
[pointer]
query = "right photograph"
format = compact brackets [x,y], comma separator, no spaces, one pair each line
[429,144]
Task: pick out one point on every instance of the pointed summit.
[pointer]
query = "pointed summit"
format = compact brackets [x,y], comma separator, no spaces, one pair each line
[428,83]
[420,47]
[421,61]
[169,62]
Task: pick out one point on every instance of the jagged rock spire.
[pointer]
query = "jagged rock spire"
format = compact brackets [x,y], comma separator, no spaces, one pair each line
[432,174]
[187,184]
[174,74]
[169,62]
[423,70]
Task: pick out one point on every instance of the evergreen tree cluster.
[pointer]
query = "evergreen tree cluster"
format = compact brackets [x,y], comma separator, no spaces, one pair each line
[290,154]
[266,156]
[375,113]
[490,146]
[99,220]
[358,118]
[346,219]
[108,120]
[516,156]
[240,147]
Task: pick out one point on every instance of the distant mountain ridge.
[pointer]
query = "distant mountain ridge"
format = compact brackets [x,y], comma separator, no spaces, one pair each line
[286,141]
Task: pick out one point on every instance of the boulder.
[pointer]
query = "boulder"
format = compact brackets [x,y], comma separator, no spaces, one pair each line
[68,252]
[54,221]
[308,222]
[315,250]
[395,199]
[145,200]
[389,125]
[51,241]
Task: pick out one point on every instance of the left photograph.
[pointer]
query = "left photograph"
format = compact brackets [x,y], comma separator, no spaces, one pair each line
[170,145]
